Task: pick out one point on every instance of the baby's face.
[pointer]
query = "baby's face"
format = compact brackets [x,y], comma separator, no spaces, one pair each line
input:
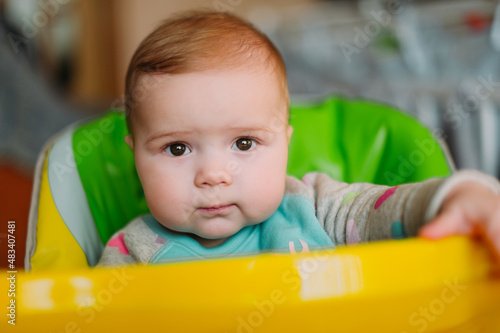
[211,150]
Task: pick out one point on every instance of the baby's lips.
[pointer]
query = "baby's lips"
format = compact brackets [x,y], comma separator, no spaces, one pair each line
[215,206]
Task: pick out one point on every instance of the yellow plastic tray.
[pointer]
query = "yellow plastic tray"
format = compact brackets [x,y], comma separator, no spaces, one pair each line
[408,286]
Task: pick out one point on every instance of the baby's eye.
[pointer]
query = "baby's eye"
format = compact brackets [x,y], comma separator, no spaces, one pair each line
[177,149]
[244,144]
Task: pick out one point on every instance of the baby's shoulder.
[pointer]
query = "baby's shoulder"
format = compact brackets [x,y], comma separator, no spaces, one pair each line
[140,240]
[137,230]
[139,226]
[134,243]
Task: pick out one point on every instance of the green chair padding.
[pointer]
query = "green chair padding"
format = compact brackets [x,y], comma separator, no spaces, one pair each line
[360,141]
[351,140]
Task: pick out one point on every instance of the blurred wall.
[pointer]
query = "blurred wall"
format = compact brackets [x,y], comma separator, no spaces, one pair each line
[95,79]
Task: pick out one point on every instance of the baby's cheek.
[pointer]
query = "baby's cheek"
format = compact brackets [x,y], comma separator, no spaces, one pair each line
[169,211]
[267,194]
[163,196]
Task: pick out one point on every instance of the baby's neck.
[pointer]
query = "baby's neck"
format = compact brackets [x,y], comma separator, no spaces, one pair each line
[208,243]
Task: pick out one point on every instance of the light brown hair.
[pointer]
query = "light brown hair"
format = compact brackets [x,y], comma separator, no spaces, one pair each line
[196,41]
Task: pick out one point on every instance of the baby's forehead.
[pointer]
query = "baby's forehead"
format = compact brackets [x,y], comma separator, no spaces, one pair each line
[148,83]
[153,87]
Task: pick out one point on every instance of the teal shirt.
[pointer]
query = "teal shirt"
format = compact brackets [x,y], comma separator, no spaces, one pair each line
[292,228]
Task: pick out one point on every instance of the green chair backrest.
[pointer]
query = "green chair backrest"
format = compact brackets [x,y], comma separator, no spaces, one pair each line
[361,141]
[351,140]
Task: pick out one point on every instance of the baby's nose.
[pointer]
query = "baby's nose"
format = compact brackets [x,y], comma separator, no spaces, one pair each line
[213,174]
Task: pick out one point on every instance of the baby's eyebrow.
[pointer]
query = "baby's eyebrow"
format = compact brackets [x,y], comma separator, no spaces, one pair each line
[165,135]
[231,129]
[250,129]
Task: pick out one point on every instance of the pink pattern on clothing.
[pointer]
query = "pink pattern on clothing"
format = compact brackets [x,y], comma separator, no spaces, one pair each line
[352,234]
[119,242]
[385,196]
[305,247]
[160,240]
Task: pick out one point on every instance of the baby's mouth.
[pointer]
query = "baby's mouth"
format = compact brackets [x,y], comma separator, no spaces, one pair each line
[216,209]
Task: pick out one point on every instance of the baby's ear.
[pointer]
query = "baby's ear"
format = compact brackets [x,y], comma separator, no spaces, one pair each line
[128,139]
[289,132]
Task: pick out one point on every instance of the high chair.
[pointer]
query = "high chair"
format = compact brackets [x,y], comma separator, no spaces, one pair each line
[86,188]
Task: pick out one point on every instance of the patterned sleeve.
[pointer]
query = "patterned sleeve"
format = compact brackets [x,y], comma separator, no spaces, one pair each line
[362,212]
[136,243]
[116,252]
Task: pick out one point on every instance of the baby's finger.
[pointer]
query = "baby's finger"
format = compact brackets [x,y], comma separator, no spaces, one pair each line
[448,223]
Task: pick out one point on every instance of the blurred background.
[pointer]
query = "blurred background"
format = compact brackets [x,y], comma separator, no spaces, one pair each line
[65,60]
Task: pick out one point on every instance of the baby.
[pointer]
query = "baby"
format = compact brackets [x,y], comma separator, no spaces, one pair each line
[207,110]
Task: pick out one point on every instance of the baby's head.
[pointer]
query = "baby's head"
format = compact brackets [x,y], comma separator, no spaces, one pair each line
[207,110]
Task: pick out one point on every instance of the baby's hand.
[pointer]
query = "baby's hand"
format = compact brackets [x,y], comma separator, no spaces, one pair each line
[469,209]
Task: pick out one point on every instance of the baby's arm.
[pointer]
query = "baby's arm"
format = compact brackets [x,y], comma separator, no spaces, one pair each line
[361,212]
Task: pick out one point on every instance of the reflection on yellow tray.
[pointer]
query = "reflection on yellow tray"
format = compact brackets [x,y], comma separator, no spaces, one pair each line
[398,286]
